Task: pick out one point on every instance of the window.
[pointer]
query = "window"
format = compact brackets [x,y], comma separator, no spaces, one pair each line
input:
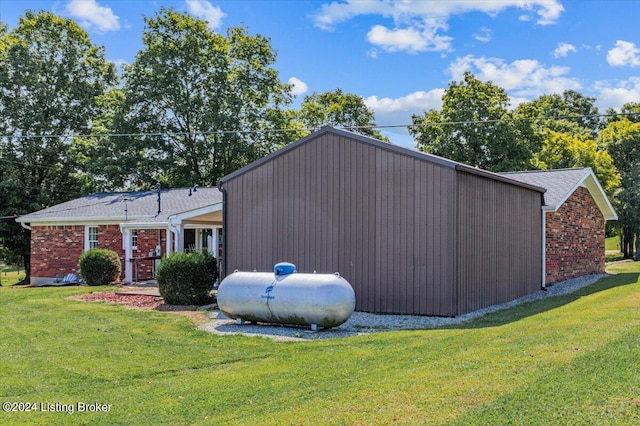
[91,237]
[134,239]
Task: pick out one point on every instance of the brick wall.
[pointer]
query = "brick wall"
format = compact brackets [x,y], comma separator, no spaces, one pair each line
[575,239]
[147,242]
[56,250]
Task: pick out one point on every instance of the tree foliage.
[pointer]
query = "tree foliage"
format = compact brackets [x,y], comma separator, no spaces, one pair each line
[205,102]
[50,77]
[570,113]
[339,109]
[562,150]
[621,138]
[475,127]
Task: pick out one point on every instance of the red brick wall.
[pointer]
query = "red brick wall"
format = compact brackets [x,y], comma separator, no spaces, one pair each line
[575,239]
[56,250]
[147,242]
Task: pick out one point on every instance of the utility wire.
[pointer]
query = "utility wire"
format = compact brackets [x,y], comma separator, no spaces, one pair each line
[267,131]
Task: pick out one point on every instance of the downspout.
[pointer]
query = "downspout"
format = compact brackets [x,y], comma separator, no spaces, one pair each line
[225,241]
[173,229]
[27,227]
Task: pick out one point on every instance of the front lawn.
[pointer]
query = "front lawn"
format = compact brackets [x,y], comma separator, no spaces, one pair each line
[612,243]
[10,275]
[564,360]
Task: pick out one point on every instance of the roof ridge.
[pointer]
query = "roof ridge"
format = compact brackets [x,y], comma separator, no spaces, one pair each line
[566,169]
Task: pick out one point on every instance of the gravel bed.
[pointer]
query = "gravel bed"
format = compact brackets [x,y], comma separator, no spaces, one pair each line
[362,323]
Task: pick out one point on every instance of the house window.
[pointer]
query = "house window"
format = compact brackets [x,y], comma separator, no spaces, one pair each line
[134,239]
[91,237]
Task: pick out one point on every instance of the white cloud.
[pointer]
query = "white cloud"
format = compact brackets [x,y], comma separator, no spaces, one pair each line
[92,15]
[524,78]
[398,111]
[206,11]
[417,26]
[563,49]
[299,86]
[550,13]
[625,53]
[614,97]
[484,35]
[411,40]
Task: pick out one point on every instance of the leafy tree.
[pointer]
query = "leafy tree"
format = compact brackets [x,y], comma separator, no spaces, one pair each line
[339,109]
[475,127]
[561,150]
[631,111]
[622,140]
[50,77]
[571,113]
[207,102]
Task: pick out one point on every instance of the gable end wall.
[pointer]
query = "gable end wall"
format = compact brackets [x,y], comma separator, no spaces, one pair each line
[575,237]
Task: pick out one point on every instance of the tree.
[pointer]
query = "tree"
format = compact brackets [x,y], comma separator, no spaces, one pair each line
[571,113]
[207,104]
[339,109]
[475,127]
[621,139]
[50,77]
[561,150]
[630,111]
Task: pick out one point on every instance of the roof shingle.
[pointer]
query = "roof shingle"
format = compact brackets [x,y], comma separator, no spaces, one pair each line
[141,206]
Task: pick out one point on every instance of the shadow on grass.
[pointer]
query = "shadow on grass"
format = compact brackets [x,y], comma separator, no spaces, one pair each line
[527,309]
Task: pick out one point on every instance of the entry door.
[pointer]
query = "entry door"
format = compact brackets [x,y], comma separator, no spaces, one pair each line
[189,240]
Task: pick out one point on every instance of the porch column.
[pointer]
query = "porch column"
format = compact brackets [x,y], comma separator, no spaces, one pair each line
[213,243]
[128,254]
[198,239]
[169,249]
[178,230]
[180,239]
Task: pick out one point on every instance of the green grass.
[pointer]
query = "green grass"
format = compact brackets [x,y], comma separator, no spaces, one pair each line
[612,243]
[563,360]
[10,275]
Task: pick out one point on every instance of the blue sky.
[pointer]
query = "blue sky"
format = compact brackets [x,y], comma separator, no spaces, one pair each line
[401,55]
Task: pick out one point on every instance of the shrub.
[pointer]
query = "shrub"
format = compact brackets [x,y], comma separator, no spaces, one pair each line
[187,278]
[100,266]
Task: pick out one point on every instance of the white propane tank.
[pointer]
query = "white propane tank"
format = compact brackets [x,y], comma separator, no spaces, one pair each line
[287,297]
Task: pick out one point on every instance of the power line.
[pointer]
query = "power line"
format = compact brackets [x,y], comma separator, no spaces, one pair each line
[267,131]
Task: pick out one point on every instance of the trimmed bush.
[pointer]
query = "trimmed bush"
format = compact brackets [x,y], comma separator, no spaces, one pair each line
[100,266]
[187,278]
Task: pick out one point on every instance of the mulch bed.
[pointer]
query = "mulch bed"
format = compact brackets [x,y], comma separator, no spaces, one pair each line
[130,300]
[137,301]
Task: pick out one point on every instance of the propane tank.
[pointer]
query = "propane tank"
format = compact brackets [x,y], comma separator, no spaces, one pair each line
[287,297]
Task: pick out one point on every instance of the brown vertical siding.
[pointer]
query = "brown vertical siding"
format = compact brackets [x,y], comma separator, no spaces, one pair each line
[382,219]
[499,250]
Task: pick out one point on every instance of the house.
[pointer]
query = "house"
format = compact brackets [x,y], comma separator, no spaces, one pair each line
[576,208]
[413,233]
[141,226]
